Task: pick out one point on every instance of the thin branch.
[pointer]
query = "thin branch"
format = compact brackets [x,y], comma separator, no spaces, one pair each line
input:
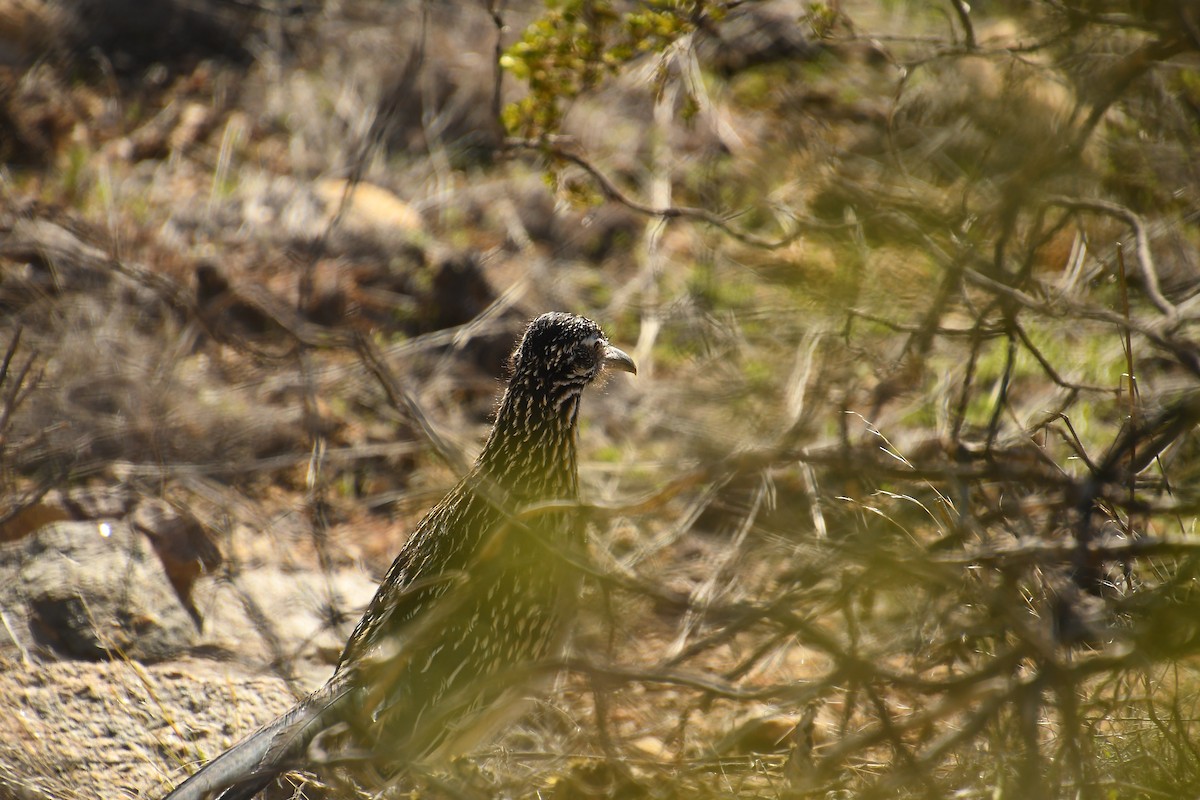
[1159,333]
[612,192]
[1145,260]
[495,10]
[963,10]
[1028,552]
[1047,367]
[18,388]
[401,399]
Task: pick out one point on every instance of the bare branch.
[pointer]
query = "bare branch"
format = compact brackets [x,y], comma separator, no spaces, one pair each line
[963,10]
[1145,259]
[612,192]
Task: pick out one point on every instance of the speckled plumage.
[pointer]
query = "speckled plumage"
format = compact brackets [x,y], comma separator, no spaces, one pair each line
[479,593]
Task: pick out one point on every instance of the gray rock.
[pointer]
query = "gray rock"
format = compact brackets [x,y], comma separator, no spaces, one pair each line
[93,590]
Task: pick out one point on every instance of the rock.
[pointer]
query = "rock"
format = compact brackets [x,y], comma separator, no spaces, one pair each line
[368,207]
[762,33]
[285,614]
[92,590]
[766,734]
[90,503]
[54,257]
[650,747]
[227,312]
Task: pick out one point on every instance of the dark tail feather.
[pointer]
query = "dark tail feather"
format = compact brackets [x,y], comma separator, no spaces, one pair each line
[249,766]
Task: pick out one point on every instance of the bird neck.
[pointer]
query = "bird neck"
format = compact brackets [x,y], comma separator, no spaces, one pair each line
[531,450]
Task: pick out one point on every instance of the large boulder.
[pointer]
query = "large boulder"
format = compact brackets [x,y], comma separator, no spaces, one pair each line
[91,590]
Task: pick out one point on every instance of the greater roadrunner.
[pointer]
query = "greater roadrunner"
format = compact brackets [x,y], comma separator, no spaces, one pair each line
[480,593]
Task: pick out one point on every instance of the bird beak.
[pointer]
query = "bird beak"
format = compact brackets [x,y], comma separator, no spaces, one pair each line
[615,358]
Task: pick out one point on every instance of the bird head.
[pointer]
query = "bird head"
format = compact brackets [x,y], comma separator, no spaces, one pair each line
[531,451]
[564,353]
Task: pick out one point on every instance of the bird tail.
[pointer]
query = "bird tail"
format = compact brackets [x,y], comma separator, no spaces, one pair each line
[249,766]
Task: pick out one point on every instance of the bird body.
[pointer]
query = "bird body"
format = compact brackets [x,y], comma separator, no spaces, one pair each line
[481,592]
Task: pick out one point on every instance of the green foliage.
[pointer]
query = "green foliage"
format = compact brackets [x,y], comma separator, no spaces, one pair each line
[576,44]
[821,19]
[74,175]
[712,291]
